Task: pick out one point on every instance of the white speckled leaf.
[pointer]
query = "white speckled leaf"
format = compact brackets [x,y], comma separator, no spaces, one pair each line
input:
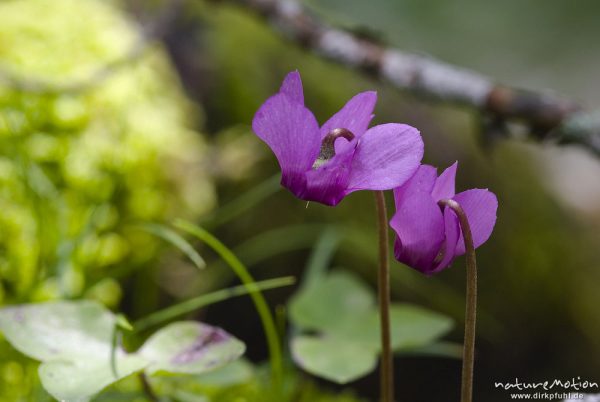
[74,341]
[190,347]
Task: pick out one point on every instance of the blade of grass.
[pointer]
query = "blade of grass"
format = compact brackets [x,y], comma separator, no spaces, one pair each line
[278,241]
[321,255]
[262,308]
[195,303]
[244,202]
[172,237]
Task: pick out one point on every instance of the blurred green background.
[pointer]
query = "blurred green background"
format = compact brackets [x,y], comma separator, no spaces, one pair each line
[167,135]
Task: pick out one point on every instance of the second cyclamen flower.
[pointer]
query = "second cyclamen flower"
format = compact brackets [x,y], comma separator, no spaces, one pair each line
[428,236]
[326,163]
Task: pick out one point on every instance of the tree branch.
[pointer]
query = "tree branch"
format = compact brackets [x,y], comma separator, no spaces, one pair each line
[148,34]
[545,115]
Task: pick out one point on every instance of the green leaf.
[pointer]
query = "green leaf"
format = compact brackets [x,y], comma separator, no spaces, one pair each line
[58,330]
[236,372]
[74,341]
[190,347]
[335,359]
[332,303]
[342,310]
[79,380]
[414,326]
[411,326]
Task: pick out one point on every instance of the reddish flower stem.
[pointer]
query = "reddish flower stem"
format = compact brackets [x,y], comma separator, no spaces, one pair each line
[471,304]
[387,357]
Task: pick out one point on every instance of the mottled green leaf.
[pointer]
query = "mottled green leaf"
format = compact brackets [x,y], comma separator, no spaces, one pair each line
[190,347]
[77,381]
[236,372]
[74,341]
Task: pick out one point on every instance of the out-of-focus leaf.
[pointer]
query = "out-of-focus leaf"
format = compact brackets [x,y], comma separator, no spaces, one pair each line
[190,347]
[236,372]
[335,359]
[342,309]
[79,380]
[328,304]
[412,326]
[75,342]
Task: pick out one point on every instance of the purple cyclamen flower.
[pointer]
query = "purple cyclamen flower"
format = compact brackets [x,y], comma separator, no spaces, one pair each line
[325,164]
[429,236]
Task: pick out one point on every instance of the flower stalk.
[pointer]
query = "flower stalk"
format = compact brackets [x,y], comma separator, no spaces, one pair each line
[387,358]
[471,304]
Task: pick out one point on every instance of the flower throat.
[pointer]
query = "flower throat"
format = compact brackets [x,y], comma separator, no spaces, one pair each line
[328,145]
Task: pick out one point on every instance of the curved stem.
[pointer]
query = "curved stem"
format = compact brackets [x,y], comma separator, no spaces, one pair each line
[471,305]
[268,322]
[387,358]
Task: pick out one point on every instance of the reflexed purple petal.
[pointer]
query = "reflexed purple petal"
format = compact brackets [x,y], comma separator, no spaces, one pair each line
[422,181]
[292,133]
[386,157]
[328,183]
[480,207]
[292,87]
[452,233]
[354,116]
[419,227]
[445,184]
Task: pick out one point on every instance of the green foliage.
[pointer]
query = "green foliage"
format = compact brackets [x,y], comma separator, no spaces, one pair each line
[75,342]
[334,358]
[189,347]
[342,310]
[241,381]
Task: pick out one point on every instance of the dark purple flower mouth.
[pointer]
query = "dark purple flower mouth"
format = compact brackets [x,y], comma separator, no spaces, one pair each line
[328,145]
